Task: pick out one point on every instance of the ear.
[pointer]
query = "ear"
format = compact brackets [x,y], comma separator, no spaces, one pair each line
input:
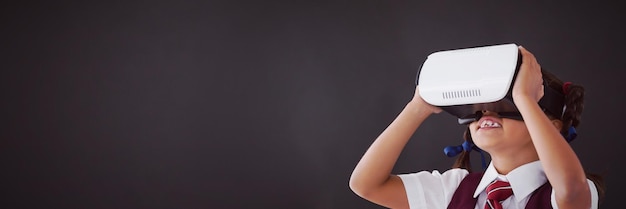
[558,124]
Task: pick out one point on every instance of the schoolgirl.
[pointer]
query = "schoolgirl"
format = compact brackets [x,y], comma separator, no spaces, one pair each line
[532,164]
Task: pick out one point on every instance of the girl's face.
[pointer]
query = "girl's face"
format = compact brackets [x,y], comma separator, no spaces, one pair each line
[493,133]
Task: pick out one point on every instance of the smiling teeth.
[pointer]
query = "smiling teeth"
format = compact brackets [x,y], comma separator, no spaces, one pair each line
[490,124]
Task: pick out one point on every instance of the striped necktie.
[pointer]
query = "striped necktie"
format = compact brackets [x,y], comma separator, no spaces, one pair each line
[496,193]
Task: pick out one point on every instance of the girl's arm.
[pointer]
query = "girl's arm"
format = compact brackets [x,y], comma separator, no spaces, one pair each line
[561,165]
[372,178]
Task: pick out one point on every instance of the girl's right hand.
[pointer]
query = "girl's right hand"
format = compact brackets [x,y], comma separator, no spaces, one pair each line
[420,103]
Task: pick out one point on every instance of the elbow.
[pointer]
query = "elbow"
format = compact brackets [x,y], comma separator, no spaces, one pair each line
[360,186]
[575,194]
[357,186]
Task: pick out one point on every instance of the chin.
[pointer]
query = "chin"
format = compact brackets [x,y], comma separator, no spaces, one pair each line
[485,143]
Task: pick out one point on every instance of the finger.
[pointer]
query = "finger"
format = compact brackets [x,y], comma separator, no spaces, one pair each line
[529,59]
[526,55]
[523,50]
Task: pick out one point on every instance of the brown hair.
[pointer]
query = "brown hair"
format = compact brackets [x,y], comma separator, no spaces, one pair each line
[463,161]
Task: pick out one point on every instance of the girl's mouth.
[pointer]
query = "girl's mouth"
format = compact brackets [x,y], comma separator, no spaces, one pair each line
[488,123]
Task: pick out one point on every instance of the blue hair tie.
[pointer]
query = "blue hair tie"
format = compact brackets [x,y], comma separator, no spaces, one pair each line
[571,134]
[452,151]
[467,146]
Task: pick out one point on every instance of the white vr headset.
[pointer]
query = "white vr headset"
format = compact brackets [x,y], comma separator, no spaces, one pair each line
[464,82]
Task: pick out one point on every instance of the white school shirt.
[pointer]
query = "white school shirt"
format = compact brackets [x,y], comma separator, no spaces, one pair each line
[435,190]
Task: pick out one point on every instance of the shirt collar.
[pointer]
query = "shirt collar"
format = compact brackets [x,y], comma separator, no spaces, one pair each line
[524,179]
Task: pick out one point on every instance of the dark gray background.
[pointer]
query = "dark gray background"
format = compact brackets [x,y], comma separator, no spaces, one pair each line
[261,104]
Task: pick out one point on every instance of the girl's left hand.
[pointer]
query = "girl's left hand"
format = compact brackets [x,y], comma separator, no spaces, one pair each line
[529,81]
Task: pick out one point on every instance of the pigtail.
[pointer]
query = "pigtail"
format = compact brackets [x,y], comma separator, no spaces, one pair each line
[463,161]
[574,97]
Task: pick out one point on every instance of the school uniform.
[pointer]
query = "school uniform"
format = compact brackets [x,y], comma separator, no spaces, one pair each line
[434,190]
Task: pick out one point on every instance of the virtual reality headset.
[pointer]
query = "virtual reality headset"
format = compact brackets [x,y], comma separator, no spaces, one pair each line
[464,82]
